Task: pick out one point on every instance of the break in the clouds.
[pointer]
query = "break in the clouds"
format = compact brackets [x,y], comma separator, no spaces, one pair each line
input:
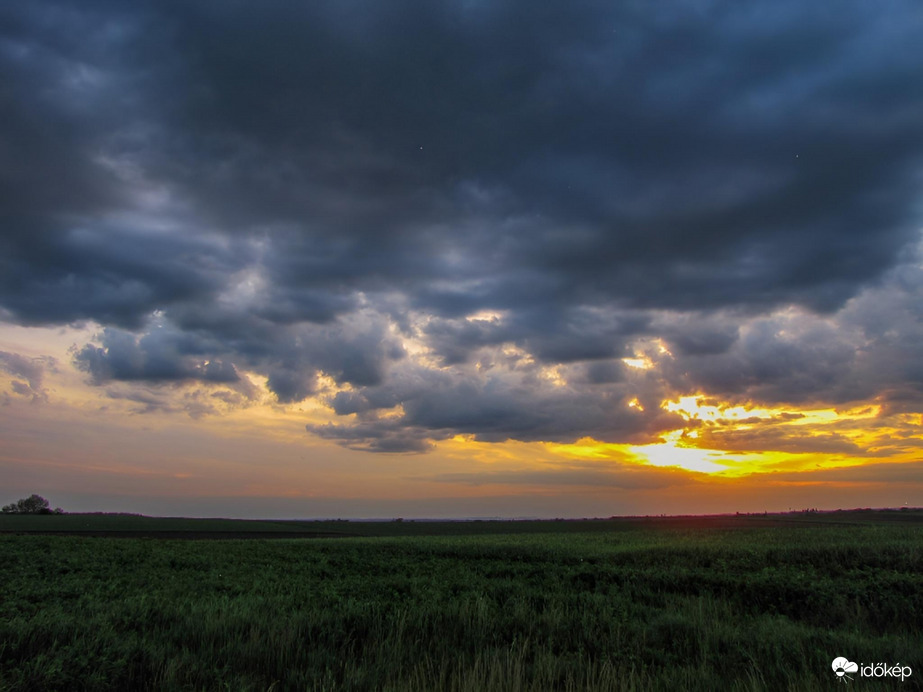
[465,215]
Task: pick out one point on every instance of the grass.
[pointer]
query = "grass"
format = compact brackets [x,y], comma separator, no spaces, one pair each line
[643,605]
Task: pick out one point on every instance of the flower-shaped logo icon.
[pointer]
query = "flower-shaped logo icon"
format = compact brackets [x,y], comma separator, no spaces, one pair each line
[841,666]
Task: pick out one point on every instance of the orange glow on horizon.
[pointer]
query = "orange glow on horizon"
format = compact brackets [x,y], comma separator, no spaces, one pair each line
[736,440]
[243,443]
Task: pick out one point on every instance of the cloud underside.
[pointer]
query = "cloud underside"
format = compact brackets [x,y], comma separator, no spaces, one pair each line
[460,218]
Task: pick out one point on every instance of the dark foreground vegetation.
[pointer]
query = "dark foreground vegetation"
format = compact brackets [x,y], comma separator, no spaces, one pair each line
[680,604]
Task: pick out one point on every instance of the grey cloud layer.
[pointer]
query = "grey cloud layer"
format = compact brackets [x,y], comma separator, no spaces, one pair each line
[288,189]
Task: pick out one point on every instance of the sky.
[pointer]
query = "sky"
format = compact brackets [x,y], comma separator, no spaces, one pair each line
[461,258]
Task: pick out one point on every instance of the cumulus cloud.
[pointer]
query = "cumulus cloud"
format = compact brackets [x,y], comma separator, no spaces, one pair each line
[31,370]
[468,215]
[160,355]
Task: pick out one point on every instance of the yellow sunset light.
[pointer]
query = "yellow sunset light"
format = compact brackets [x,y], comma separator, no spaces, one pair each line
[670,453]
[554,376]
[691,408]
[673,452]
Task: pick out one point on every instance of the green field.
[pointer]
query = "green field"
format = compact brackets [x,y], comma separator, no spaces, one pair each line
[762,602]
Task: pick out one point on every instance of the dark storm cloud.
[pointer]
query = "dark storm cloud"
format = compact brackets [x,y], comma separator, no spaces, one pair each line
[551,333]
[111,275]
[287,186]
[158,356]
[352,351]
[493,404]
[684,159]
[699,334]
[776,359]
[871,350]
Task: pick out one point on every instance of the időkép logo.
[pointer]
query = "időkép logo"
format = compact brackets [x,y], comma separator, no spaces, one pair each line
[842,667]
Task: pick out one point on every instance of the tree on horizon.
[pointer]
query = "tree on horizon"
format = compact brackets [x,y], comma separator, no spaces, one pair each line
[34,504]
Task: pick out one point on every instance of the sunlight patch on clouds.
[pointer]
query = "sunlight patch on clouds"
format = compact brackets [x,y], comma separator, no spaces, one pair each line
[673,453]
[416,349]
[829,415]
[695,408]
[588,448]
[247,288]
[554,376]
[487,316]
[680,449]
[520,355]
[700,408]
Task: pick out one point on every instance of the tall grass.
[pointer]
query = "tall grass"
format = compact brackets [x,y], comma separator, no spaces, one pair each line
[697,610]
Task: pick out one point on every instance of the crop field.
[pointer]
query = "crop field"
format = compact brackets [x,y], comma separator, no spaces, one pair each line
[748,603]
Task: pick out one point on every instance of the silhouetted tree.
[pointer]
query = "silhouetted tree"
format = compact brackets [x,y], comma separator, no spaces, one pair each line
[36,504]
